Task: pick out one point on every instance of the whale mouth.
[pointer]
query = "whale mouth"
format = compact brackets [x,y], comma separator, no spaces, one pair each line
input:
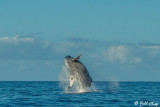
[66,60]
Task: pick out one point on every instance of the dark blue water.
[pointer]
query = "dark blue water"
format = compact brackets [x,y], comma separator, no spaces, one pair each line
[109,94]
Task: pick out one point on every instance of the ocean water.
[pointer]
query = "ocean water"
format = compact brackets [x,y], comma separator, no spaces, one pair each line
[107,94]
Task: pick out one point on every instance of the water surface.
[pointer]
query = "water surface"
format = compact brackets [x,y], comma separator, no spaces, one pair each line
[50,94]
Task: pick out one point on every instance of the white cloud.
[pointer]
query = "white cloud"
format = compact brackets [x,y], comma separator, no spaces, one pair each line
[121,54]
[152,51]
[16,39]
[136,60]
[151,47]
[117,53]
[17,48]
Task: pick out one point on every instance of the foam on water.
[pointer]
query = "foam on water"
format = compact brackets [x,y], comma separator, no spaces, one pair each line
[77,87]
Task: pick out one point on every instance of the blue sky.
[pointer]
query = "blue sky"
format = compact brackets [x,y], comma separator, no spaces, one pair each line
[118,40]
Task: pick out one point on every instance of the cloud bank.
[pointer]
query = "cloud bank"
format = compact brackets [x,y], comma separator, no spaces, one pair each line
[101,57]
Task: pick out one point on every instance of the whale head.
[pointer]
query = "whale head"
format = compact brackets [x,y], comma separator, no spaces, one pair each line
[70,60]
[68,57]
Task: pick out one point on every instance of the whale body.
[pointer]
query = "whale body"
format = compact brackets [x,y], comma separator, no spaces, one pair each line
[78,72]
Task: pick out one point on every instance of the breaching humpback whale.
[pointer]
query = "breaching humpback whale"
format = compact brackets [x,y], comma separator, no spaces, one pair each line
[78,72]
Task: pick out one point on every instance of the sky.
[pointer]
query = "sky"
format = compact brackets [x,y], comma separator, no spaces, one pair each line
[118,40]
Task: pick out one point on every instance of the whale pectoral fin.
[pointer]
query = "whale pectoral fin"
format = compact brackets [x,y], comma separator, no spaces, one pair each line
[71,82]
[77,58]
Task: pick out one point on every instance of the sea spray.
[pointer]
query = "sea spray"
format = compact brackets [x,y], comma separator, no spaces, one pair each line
[114,84]
[64,78]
